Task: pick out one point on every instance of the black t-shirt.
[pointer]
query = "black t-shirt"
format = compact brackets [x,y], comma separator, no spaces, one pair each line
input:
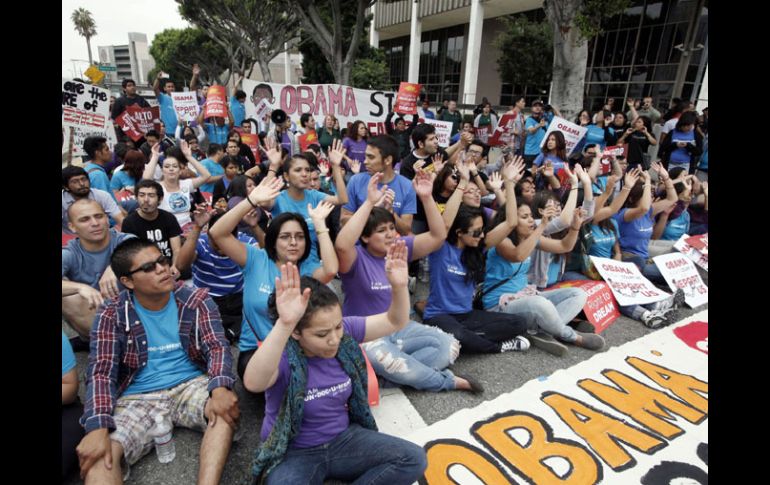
[637,146]
[123,102]
[407,163]
[160,231]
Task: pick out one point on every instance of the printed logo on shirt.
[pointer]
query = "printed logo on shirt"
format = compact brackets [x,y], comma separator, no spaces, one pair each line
[455,270]
[179,202]
[315,393]
[165,348]
[378,285]
[263,288]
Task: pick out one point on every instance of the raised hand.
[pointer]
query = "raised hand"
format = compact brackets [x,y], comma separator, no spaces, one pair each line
[467,138]
[355,166]
[423,183]
[496,181]
[612,179]
[577,218]
[548,169]
[513,170]
[704,188]
[267,190]
[196,70]
[418,164]
[629,180]
[396,266]
[464,170]
[185,149]
[252,217]
[155,150]
[471,166]
[662,173]
[373,194]
[573,178]
[548,214]
[582,174]
[337,153]
[201,215]
[386,201]
[319,214]
[646,176]
[290,302]
[438,162]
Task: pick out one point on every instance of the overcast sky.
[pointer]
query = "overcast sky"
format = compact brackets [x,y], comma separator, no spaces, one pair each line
[114,20]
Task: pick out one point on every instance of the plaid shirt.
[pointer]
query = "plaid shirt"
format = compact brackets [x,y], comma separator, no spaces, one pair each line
[119,350]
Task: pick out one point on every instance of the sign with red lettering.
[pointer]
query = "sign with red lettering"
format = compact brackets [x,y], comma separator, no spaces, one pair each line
[600,308]
[185,105]
[136,121]
[482,133]
[216,102]
[572,133]
[252,141]
[695,335]
[84,105]
[263,109]
[681,273]
[699,242]
[695,255]
[406,100]
[608,154]
[125,195]
[309,138]
[627,283]
[503,134]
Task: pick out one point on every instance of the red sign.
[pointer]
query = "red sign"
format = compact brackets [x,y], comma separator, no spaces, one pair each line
[252,141]
[124,195]
[695,335]
[504,131]
[406,100]
[216,100]
[600,308]
[136,121]
[482,133]
[700,242]
[610,153]
[309,138]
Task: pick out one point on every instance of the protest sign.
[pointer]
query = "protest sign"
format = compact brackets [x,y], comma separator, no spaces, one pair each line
[346,103]
[406,100]
[309,138]
[84,105]
[135,121]
[699,242]
[600,309]
[637,413]
[263,109]
[125,195]
[482,133]
[627,283]
[81,133]
[681,273]
[572,133]
[696,256]
[185,105]
[252,141]
[608,154]
[216,102]
[443,131]
[503,133]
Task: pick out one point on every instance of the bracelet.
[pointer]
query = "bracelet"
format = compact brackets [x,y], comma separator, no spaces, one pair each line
[271,170]
[573,188]
[322,231]
[252,203]
[475,174]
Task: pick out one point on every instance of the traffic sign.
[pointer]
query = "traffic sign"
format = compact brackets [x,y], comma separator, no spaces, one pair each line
[106,68]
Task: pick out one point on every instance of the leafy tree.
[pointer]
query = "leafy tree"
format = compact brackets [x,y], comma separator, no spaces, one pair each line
[526,51]
[370,70]
[85,27]
[176,50]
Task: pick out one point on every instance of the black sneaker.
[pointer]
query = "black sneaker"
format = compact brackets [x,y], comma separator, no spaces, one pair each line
[547,343]
[516,344]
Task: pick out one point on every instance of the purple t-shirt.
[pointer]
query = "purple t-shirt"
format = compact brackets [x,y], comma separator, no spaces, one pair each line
[355,149]
[366,287]
[326,398]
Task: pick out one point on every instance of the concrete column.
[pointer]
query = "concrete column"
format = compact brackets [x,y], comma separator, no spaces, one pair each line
[374,36]
[415,44]
[286,64]
[473,53]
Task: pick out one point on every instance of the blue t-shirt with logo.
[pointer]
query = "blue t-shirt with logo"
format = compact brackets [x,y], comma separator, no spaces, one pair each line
[405,201]
[681,155]
[499,269]
[635,235]
[532,145]
[677,227]
[595,135]
[214,169]
[68,361]
[259,276]
[238,110]
[167,112]
[285,203]
[121,180]
[97,176]
[450,293]
[603,241]
[168,364]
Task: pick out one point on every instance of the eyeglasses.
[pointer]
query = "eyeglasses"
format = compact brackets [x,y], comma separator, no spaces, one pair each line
[474,153]
[455,177]
[476,233]
[150,267]
[289,237]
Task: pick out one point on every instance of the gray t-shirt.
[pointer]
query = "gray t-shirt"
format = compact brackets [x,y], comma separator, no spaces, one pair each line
[103,198]
[86,267]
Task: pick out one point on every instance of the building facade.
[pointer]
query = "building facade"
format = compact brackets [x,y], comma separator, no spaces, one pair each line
[132,60]
[655,48]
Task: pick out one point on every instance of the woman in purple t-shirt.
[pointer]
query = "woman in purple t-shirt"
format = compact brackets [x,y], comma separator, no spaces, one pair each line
[313,373]
[355,144]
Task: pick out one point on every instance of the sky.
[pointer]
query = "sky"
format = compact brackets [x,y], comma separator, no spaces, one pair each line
[114,20]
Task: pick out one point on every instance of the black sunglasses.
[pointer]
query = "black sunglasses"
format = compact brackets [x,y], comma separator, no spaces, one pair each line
[476,233]
[149,267]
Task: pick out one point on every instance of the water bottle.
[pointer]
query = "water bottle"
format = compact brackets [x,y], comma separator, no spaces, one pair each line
[164,439]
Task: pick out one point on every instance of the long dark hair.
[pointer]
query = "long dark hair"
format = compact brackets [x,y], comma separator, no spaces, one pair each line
[438,184]
[561,145]
[472,258]
[133,164]
[321,296]
[353,131]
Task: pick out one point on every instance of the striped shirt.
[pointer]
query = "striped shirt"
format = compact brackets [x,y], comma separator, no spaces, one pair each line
[217,272]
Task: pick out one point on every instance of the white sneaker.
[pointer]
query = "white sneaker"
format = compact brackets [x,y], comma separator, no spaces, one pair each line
[516,344]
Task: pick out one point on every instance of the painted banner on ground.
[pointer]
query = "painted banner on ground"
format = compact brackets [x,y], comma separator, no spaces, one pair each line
[504,131]
[406,99]
[216,102]
[84,105]
[443,131]
[600,308]
[637,413]
[346,103]
[572,133]
[696,256]
[185,105]
[680,272]
[627,283]
[81,133]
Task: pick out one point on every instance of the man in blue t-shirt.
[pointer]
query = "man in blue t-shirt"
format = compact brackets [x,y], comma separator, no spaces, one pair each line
[215,154]
[99,154]
[238,106]
[382,153]
[167,112]
[159,355]
[535,128]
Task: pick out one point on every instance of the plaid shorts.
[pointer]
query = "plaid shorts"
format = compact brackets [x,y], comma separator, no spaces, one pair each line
[135,414]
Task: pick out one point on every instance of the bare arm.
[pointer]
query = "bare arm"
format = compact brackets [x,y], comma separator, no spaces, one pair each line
[149,169]
[643,206]
[426,243]
[403,223]
[188,251]
[602,212]
[203,173]
[336,153]
[671,197]
[325,273]
[397,316]
[69,386]
[350,232]
[564,245]
[512,172]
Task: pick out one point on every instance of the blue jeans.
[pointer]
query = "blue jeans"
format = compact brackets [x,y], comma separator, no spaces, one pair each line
[649,271]
[573,276]
[416,356]
[549,311]
[358,455]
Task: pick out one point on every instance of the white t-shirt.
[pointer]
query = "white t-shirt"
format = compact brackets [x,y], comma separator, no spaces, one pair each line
[670,125]
[179,203]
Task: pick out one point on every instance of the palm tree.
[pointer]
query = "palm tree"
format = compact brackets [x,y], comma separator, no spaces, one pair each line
[85,26]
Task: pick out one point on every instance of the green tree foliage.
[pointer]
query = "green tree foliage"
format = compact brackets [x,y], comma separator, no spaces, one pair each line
[176,50]
[370,70]
[526,51]
[85,27]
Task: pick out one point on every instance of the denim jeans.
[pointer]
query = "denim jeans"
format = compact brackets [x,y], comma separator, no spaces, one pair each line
[358,455]
[649,271]
[479,331]
[549,311]
[416,356]
[573,276]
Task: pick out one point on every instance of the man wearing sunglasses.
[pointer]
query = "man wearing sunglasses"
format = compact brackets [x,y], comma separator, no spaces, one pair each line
[158,351]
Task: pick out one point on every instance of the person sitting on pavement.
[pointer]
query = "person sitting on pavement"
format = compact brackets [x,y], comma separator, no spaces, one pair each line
[418,355]
[125,177]
[458,266]
[313,373]
[215,154]
[155,351]
[71,409]
[286,240]
[230,167]
[76,186]
[99,154]
[87,278]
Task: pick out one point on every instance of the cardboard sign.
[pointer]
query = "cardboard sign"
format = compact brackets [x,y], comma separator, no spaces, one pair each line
[572,133]
[503,134]
[600,308]
[185,105]
[627,283]
[443,131]
[699,242]
[252,141]
[136,121]
[84,105]
[695,256]
[216,102]
[482,133]
[633,414]
[309,138]
[263,109]
[81,133]
[680,272]
[608,154]
[406,99]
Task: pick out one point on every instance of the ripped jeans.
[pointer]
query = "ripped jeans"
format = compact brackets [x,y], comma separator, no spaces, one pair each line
[416,356]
